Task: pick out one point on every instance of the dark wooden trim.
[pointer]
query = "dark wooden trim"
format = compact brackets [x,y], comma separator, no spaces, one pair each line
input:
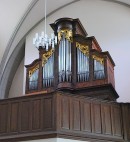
[79,35]
[64,114]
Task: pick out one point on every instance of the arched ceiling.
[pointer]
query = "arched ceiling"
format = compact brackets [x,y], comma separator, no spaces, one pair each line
[12,12]
[18,17]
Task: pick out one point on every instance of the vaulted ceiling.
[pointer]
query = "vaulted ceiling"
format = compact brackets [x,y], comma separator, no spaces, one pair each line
[18,18]
[13,12]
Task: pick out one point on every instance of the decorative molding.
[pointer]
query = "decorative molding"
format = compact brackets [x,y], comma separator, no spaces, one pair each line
[99,59]
[46,56]
[83,48]
[67,33]
[31,71]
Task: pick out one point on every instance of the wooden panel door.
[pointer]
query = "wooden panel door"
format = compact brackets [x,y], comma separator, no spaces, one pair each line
[14,117]
[106,119]
[86,123]
[96,118]
[3,118]
[116,120]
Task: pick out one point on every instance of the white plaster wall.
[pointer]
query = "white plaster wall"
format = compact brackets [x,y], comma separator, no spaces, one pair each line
[17,83]
[10,13]
[109,23]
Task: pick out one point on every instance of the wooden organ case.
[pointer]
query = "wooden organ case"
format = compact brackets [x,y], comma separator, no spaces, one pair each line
[70,93]
[76,65]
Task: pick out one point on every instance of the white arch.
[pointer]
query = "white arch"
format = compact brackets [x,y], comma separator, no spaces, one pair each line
[16,44]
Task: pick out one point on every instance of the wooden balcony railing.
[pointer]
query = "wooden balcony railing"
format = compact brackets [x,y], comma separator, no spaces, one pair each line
[63,115]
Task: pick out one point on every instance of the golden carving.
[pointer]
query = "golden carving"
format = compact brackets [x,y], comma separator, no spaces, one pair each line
[99,59]
[83,48]
[46,56]
[68,34]
[33,70]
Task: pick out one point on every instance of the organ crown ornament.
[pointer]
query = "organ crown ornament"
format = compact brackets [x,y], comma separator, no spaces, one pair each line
[75,63]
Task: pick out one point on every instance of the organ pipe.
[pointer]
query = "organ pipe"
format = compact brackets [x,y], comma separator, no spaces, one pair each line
[64,60]
[98,70]
[48,74]
[82,66]
[33,80]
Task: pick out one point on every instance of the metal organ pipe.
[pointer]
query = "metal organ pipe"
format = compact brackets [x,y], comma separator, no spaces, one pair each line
[82,66]
[78,64]
[98,70]
[48,74]
[70,60]
[67,67]
[64,60]
[64,69]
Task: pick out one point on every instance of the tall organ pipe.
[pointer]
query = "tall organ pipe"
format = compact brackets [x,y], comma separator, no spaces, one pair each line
[48,72]
[82,66]
[64,60]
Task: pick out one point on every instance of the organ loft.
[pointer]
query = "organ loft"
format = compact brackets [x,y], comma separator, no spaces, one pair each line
[70,92]
[76,65]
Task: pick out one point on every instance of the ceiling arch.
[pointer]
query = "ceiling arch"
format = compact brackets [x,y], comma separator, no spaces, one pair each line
[27,22]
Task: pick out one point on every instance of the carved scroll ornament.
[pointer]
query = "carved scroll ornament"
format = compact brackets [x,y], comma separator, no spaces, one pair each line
[31,71]
[83,48]
[67,33]
[99,59]
[46,56]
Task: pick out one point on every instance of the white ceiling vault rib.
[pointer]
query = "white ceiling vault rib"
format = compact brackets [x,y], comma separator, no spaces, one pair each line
[122,2]
[52,9]
[126,2]
[33,15]
[4,59]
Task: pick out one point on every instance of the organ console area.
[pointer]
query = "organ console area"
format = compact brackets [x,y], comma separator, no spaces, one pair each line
[76,64]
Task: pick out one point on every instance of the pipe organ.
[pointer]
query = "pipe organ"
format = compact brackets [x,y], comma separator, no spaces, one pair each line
[64,60]
[98,70]
[76,62]
[98,67]
[82,63]
[33,78]
[48,72]
[72,92]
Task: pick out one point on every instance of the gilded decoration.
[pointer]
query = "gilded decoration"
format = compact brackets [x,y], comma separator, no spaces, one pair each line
[83,48]
[33,70]
[46,56]
[99,59]
[68,34]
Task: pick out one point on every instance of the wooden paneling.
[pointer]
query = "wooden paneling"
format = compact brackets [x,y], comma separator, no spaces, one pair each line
[65,113]
[48,113]
[110,73]
[36,114]
[106,119]
[3,118]
[25,116]
[96,118]
[86,116]
[14,117]
[129,122]
[75,106]
[75,116]
[116,120]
